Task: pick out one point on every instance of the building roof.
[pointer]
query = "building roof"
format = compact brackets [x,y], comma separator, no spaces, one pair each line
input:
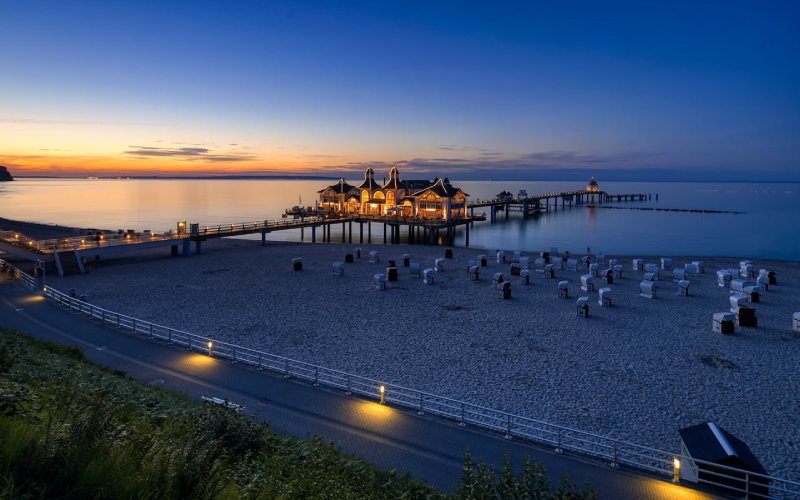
[712,443]
[441,187]
[394,182]
[369,180]
[340,187]
[415,184]
[504,193]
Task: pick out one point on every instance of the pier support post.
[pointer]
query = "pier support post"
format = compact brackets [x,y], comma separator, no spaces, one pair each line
[410,234]
[350,230]
[263,238]
[344,230]
[313,234]
[525,209]
[506,211]
[369,232]
[361,232]
[384,233]
[198,247]
[466,235]
[303,233]
[493,216]
[187,247]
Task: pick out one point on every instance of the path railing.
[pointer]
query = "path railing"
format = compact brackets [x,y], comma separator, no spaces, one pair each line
[615,452]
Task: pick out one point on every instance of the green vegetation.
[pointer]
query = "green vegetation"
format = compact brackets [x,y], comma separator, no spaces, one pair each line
[70,429]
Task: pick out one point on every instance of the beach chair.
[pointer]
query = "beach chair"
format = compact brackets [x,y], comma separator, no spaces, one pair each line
[650,276]
[545,256]
[594,270]
[587,283]
[747,271]
[515,269]
[682,288]
[751,292]
[563,289]
[498,278]
[607,275]
[501,257]
[637,264]
[374,256]
[474,273]
[483,260]
[724,278]
[572,265]
[723,323]
[585,261]
[691,269]
[678,274]
[604,297]
[647,289]
[525,276]
[763,283]
[415,269]
[582,307]
[406,260]
[617,271]
[666,264]
[612,263]
[699,264]
[770,275]
[517,256]
[539,264]
[737,286]
[745,315]
[391,273]
[438,265]
[796,322]
[523,263]
[348,258]
[379,281]
[391,263]
[448,253]
[549,271]
[737,301]
[652,269]
[337,269]
[505,289]
[427,276]
[297,264]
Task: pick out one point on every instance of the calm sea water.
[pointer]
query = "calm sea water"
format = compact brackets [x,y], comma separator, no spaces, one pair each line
[768,229]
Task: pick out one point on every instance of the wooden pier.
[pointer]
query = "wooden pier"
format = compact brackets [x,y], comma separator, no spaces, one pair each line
[530,205]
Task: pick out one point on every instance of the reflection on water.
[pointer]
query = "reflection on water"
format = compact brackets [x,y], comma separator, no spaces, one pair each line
[766,230]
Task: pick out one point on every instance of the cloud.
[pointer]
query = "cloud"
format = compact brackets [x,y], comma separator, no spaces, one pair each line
[187,153]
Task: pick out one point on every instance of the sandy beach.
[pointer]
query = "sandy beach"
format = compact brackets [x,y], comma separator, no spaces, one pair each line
[639,370]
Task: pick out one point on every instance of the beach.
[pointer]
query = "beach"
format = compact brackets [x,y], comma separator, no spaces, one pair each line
[637,371]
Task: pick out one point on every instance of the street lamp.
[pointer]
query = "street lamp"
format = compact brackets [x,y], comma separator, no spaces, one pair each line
[676,470]
[210,347]
[383,393]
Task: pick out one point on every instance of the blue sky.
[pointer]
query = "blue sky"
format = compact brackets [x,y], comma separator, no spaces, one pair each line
[474,90]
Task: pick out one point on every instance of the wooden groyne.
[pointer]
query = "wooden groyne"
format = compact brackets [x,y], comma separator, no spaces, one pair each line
[688,210]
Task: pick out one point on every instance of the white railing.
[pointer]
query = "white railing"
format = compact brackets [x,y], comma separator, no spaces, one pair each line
[614,451]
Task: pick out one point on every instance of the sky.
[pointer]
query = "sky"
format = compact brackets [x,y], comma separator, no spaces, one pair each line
[473,90]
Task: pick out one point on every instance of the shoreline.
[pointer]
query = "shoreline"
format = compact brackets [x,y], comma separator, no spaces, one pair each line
[637,371]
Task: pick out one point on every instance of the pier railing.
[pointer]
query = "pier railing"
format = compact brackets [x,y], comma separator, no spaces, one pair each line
[615,452]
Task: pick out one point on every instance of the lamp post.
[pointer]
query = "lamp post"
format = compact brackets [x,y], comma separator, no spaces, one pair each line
[676,470]
[210,348]
[383,393]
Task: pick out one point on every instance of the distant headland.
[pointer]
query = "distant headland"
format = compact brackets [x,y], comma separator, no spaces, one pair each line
[5,175]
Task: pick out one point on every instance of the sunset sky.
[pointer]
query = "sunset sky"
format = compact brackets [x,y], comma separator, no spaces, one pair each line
[472,89]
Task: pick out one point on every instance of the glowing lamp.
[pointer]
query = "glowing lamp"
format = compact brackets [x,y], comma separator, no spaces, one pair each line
[210,347]
[383,393]
[676,469]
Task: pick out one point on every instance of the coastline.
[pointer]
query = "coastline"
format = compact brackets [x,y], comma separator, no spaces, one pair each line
[639,370]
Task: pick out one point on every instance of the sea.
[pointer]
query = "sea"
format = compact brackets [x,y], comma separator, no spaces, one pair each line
[765,225]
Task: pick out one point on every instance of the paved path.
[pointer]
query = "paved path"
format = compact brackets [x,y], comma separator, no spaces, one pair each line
[428,448]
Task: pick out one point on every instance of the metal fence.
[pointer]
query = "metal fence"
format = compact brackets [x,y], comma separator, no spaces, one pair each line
[615,452]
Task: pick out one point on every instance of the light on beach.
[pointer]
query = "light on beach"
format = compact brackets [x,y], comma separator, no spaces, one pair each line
[383,393]
[676,469]
[210,347]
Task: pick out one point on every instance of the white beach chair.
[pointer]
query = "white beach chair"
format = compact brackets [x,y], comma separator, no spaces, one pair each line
[678,274]
[474,273]
[796,322]
[582,307]
[438,264]
[414,269]
[724,278]
[427,276]
[498,278]
[501,257]
[594,269]
[652,269]
[297,264]
[525,276]
[650,276]
[483,260]
[691,269]
[747,271]
[563,289]
[617,270]
[587,283]
[612,262]
[374,256]
[738,301]
[647,289]
[751,292]
[682,288]
[549,271]
[523,263]
[637,264]
[517,256]
[699,264]
[604,297]
[379,281]
[738,286]
[539,264]
[572,265]
[585,261]
[763,283]
[337,269]
[724,323]
[770,275]
[666,264]
[505,289]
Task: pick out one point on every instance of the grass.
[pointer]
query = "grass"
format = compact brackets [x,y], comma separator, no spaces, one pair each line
[71,429]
